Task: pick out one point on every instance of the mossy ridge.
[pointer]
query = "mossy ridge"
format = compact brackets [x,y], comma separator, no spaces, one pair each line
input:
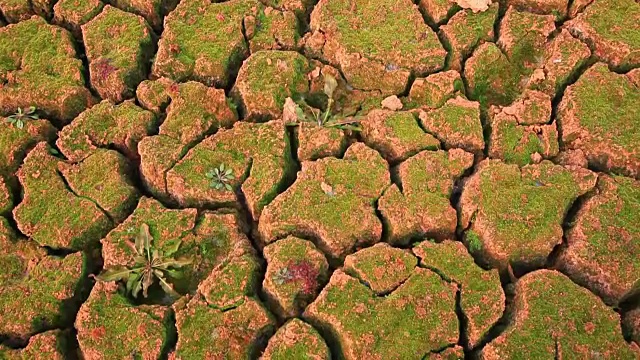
[51,287]
[267,78]
[126,55]
[308,344]
[82,223]
[45,57]
[552,314]
[104,125]
[544,191]
[203,41]
[482,298]
[106,320]
[355,316]
[319,214]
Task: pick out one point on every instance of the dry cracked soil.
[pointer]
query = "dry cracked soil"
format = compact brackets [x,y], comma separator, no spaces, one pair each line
[350,179]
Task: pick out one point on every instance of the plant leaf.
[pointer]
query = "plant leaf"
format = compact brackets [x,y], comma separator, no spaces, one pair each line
[19,124]
[143,241]
[174,263]
[228,187]
[330,85]
[175,245]
[115,273]
[165,284]
[174,274]
[131,282]
[147,281]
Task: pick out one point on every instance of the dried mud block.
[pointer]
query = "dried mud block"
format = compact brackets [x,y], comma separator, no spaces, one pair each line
[491,77]
[572,158]
[225,319]
[41,70]
[272,30]
[47,298]
[316,142]
[552,317]
[332,201]
[523,36]
[456,124]
[519,132]
[466,30]
[204,41]
[417,318]
[598,115]
[514,215]
[81,223]
[434,90]
[119,46]
[258,155]
[603,246]
[562,58]
[107,125]
[72,14]
[266,79]
[381,267]
[296,271]
[396,135]
[152,10]
[438,11]
[423,207]
[193,111]
[16,143]
[47,345]
[300,7]
[378,44]
[15,11]
[207,240]
[612,28]
[110,327]
[296,340]
[557,8]
[481,297]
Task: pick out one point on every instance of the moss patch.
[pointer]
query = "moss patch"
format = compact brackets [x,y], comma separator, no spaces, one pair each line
[47,345]
[296,340]
[72,14]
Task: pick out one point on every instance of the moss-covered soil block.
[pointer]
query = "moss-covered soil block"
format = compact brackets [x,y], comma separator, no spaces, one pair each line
[107,125]
[153,11]
[272,30]
[491,77]
[437,11]
[434,90]
[612,28]
[15,143]
[377,44]
[598,114]
[332,201]
[632,322]
[418,317]
[258,154]
[552,316]
[456,124]
[110,327]
[557,8]
[41,69]
[481,297]
[296,340]
[295,273]
[514,215]
[421,207]
[72,14]
[316,142]
[16,10]
[266,79]
[396,135]
[47,345]
[603,246]
[6,197]
[46,192]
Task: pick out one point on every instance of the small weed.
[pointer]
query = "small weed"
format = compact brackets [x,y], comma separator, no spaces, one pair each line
[220,177]
[475,244]
[18,119]
[303,112]
[150,264]
[302,271]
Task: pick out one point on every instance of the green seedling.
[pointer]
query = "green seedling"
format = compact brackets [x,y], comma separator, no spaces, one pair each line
[150,265]
[18,119]
[221,177]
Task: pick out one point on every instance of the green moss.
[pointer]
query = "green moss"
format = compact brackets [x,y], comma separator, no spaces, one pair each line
[518,143]
[468,29]
[14,143]
[78,12]
[405,127]
[493,80]
[473,239]
[236,278]
[307,344]
[368,265]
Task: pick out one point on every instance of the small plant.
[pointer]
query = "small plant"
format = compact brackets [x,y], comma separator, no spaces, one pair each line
[18,119]
[325,119]
[221,177]
[302,271]
[150,264]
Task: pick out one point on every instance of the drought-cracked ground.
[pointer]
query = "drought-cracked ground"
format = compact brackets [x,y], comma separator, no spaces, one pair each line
[480,200]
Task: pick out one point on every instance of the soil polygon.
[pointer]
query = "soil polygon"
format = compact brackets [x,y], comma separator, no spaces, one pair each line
[434,90]
[118,46]
[6,197]
[153,11]
[421,207]
[41,70]
[456,124]
[491,78]
[272,30]
[553,316]
[72,14]
[396,135]
[481,296]
[296,340]
[603,246]
[49,345]
[331,201]
[557,8]
[296,271]
[316,142]
[417,318]
[16,143]
[376,44]
[437,11]
[598,115]
[514,215]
